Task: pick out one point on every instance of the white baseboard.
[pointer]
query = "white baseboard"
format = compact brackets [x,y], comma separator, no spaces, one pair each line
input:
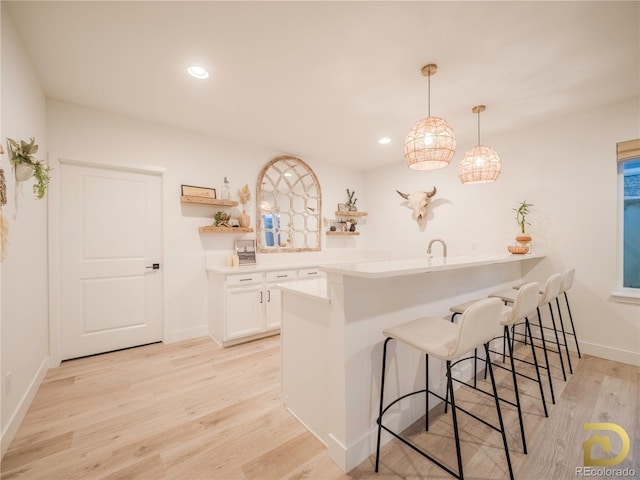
[610,353]
[186,334]
[16,419]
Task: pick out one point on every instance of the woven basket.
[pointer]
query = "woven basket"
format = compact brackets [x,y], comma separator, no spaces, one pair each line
[518,249]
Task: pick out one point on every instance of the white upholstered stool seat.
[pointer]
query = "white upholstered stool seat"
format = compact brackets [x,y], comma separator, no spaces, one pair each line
[461,307]
[433,335]
[448,341]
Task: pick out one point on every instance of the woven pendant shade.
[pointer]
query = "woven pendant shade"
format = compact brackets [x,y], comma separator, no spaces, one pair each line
[481,164]
[431,143]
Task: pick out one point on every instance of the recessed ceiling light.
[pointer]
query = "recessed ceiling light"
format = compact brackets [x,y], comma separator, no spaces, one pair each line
[198,72]
[384,141]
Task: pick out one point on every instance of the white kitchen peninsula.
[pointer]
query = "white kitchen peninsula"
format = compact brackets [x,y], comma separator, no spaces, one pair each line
[332,340]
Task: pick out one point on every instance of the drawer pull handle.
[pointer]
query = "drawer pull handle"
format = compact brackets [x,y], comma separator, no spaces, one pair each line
[245,279]
[282,276]
[312,273]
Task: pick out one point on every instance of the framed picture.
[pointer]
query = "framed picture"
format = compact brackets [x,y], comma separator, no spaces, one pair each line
[337,225]
[342,207]
[246,251]
[202,192]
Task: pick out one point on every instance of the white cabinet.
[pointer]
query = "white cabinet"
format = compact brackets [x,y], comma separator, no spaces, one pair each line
[245,306]
[273,295]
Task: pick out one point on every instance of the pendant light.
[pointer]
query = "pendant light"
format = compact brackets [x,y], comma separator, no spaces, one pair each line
[431,142]
[481,164]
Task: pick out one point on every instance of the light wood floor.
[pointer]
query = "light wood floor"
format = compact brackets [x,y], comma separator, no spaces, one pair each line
[195,411]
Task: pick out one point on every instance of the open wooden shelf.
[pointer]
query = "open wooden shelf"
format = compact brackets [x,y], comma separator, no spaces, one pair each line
[329,232]
[208,201]
[212,229]
[351,214]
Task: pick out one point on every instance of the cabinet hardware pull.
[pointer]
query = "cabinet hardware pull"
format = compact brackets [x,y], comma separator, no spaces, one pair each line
[282,276]
[268,296]
[261,296]
[312,273]
[245,279]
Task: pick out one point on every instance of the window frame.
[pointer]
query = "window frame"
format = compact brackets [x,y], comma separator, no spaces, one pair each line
[627,151]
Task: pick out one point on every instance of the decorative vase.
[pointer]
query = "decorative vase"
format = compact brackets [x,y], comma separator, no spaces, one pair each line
[353,208]
[245,219]
[23,172]
[522,246]
[352,228]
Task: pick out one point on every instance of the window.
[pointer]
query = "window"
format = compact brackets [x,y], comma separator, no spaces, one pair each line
[629,171]
[631,224]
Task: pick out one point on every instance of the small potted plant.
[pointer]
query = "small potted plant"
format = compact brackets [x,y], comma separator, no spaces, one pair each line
[521,219]
[352,222]
[523,238]
[26,165]
[351,203]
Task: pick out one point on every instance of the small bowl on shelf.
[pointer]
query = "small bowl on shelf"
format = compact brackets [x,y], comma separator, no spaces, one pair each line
[518,249]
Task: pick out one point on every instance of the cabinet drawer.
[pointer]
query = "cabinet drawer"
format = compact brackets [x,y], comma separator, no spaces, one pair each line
[309,273]
[243,279]
[281,276]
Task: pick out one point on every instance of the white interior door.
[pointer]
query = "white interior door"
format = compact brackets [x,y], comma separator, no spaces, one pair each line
[110,237]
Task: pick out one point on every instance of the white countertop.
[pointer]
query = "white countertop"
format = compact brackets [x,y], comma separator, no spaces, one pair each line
[261,267]
[396,268]
[315,289]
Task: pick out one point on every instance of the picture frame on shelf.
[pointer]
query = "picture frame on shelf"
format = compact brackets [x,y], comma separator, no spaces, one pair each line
[342,207]
[339,226]
[246,251]
[202,192]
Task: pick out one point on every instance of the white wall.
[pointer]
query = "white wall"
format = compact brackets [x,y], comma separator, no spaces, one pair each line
[565,167]
[24,328]
[81,133]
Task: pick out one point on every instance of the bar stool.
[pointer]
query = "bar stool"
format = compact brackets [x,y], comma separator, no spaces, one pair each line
[524,304]
[447,341]
[567,282]
[550,291]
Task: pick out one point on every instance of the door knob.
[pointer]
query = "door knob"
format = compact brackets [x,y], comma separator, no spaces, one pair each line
[155,266]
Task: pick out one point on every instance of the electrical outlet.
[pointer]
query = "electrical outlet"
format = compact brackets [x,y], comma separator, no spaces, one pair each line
[8,383]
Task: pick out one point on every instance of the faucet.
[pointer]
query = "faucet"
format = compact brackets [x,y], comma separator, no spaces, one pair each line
[444,246]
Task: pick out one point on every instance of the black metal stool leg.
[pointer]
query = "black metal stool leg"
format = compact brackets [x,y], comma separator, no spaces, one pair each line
[573,328]
[515,389]
[564,335]
[454,417]
[495,396]
[555,331]
[384,365]
[426,394]
[535,362]
[546,356]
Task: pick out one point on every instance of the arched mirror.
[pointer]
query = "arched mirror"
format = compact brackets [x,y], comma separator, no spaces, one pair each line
[288,206]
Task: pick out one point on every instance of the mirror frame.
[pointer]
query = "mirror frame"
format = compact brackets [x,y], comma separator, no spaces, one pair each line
[259,192]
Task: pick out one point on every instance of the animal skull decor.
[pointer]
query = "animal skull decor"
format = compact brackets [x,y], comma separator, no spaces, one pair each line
[417,202]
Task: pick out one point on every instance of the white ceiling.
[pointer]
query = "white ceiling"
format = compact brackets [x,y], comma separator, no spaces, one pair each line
[326,80]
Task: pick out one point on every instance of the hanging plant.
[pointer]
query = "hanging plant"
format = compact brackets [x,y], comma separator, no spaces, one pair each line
[25,164]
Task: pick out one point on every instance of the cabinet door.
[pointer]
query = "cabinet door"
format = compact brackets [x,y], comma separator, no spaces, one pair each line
[244,311]
[273,307]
